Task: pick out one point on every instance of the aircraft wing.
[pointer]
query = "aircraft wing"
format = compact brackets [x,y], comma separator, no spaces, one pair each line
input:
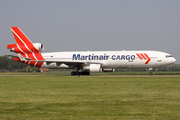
[51,60]
[67,62]
[13,56]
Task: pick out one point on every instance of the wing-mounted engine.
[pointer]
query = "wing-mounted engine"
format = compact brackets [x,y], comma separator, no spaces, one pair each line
[93,68]
[21,48]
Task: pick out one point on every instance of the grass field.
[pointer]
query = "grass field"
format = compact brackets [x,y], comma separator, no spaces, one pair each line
[92,98]
[102,73]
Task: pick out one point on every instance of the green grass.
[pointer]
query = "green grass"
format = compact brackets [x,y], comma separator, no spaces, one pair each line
[96,98]
[102,73]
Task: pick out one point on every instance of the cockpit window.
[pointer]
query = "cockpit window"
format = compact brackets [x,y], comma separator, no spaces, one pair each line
[168,56]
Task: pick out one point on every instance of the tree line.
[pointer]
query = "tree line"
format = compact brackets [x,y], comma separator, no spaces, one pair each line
[8,64]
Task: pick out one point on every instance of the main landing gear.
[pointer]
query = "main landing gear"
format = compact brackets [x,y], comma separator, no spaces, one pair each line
[80,73]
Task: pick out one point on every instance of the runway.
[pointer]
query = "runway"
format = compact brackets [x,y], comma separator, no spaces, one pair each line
[97,75]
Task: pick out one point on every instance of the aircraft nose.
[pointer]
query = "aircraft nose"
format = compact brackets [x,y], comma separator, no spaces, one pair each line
[173,60]
[170,60]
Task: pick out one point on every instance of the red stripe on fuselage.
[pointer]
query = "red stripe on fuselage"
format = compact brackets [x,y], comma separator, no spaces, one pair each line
[143,56]
[39,57]
[148,58]
[139,56]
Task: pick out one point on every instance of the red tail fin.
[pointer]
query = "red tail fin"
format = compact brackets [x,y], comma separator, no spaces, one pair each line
[19,36]
[25,47]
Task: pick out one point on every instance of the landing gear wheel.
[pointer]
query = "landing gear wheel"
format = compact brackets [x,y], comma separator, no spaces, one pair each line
[78,73]
[87,73]
[150,73]
[82,73]
[73,73]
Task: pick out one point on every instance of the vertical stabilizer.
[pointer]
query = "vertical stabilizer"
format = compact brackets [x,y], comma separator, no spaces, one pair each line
[25,48]
[19,36]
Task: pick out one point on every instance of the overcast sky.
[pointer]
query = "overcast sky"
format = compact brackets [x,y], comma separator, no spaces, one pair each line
[79,25]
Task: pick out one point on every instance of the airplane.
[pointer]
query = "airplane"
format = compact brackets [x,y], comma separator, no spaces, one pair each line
[85,62]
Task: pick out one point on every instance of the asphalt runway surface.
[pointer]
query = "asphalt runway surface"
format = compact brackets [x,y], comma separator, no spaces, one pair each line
[99,75]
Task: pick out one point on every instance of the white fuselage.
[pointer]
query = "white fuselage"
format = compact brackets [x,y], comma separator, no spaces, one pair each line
[84,62]
[108,59]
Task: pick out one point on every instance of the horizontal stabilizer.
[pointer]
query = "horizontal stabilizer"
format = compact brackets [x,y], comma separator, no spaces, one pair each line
[13,56]
[23,58]
[20,57]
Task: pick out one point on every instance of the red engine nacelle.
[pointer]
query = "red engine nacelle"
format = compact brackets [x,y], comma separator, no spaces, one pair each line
[36,47]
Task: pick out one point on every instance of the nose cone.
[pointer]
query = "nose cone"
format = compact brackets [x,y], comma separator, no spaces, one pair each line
[173,60]
[170,61]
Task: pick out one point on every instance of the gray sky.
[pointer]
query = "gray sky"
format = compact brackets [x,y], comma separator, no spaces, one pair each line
[78,25]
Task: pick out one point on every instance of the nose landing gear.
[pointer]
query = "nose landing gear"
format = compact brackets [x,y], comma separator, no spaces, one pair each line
[150,71]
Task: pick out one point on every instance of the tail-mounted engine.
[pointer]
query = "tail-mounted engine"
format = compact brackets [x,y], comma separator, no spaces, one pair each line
[39,46]
[21,48]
